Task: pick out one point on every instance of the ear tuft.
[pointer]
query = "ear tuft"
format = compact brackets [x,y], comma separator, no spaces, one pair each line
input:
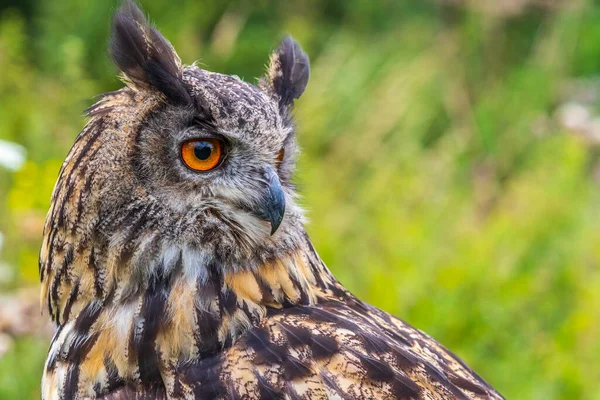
[144,56]
[288,73]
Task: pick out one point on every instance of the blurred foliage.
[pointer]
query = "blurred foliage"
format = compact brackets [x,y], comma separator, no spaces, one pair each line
[442,181]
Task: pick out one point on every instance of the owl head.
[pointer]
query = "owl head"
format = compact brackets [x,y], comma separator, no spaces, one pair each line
[182,163]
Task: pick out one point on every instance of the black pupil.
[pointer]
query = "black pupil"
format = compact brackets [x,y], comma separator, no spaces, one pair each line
[203,150]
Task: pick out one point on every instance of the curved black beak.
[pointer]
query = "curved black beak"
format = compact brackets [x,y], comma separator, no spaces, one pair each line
[272,205]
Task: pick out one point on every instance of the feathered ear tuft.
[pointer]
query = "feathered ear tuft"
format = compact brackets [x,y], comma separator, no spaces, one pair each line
[288,73]
[144,56]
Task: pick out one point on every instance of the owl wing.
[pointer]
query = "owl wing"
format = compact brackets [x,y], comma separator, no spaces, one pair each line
[339,349]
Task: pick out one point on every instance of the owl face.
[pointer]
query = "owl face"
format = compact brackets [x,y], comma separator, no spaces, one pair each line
[213,155]
[181,167]
[232,154]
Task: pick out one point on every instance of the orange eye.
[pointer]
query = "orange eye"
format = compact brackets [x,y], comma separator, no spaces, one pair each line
[202,154]
[279,157]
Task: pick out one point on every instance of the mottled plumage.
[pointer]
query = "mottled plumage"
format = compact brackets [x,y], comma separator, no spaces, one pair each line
[166,282]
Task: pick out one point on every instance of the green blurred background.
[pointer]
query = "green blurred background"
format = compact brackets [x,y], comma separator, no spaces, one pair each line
[451,164]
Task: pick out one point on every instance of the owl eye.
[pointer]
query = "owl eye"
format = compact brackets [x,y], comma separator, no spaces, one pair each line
[202,154]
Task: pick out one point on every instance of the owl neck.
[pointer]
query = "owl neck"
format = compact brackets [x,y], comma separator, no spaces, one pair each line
[180,316]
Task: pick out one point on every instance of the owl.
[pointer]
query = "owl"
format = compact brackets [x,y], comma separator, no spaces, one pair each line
[175,263]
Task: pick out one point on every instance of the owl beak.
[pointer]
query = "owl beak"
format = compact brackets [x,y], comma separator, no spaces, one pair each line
[272,205]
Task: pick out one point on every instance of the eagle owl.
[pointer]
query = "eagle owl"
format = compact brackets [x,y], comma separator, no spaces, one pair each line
[175,263]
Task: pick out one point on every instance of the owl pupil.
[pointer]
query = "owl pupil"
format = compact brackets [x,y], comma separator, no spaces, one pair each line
[203,150]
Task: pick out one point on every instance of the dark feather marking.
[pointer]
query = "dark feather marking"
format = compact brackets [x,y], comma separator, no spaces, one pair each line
[203,118]
[97,389]
[252,316]
[80,346]
[51,361]
[373,342]
[49,304]
[297,336]
[98,278]
[397,337]
[303,300]
[404,358]
[97,110]
[323,347]
[71,381]
[41,270]
[205,377]
[113,380]
[136,226]
[135,219]
[265,290]
[68,256]
[93,107]
[114,219]
[54,293]
[83,323]
[294,369]
[208,322]
[153,308]
[266,352]
[341,294]
[228,302]
[73,294]
[51,244]
[83,195]
[466,384]
[60,275]
[299,311]
[206,334]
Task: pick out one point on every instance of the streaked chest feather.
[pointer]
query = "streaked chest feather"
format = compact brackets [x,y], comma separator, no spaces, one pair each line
[175,320]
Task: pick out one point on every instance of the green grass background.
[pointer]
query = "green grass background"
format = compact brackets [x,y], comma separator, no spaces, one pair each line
[440,182]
